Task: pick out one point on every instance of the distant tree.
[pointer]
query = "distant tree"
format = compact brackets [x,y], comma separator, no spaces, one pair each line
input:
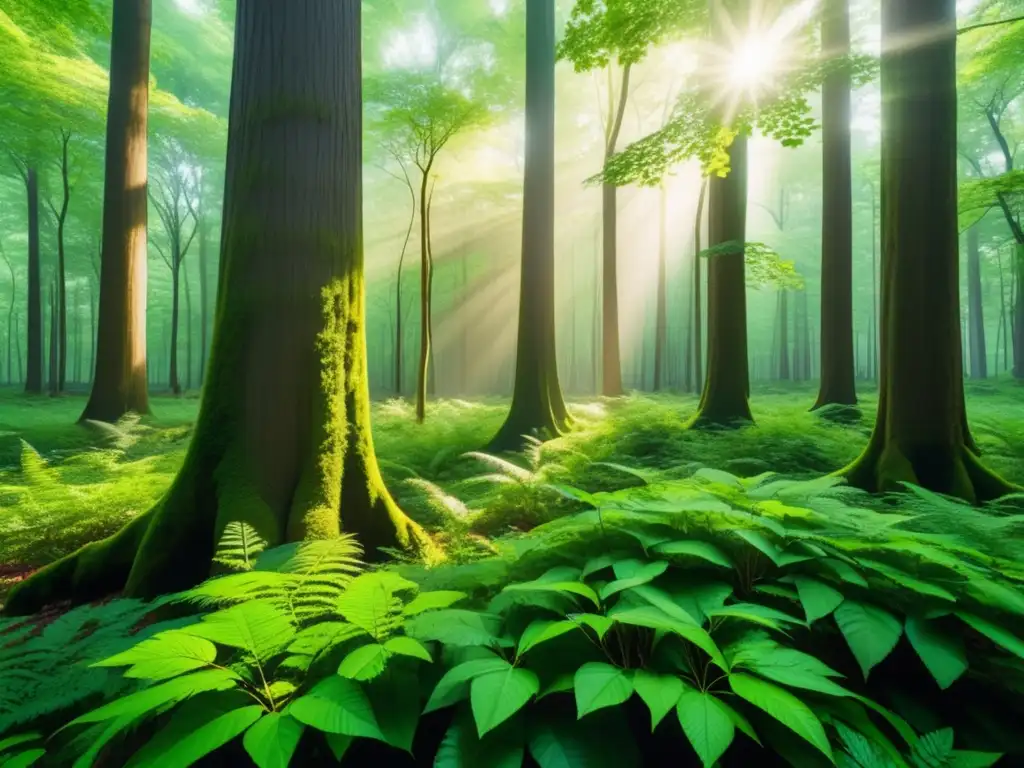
[120,381]
[283,437]
[538,408]
[921,434]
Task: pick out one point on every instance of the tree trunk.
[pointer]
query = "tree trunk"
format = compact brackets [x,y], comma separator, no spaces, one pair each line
[724,400]
[119,385]
[920,434]
[661,322]
[785,373]
[837,385]
[174,384]
[34,378]
[188,332]
[11,327]
[283,437]
[975,315]
[698,309]
[62,299]
[537,405]
[425,274]
[204,299]
[77,333]
[1018,311]
[54,345]
[874,286]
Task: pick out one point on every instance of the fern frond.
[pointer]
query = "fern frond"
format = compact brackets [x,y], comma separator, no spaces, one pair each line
[442,501]
[239,546]
[503,466]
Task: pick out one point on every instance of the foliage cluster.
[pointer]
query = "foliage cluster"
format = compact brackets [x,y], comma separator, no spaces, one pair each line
[754,619]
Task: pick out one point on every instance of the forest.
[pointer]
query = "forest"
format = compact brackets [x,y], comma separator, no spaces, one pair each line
[501,383]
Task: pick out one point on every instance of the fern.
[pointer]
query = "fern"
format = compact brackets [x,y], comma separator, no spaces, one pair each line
[239,546]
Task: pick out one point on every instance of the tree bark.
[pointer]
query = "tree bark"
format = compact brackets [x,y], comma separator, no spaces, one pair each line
[53,350]
[837,385]
[785,373]
[425,275]
[920,434]
[204,282]
[11,328]
[172,369]
[1018,311]
[34,372]
[698,309]
[283,437]
[119,384]
[538,408]
[976,313]
[188,331]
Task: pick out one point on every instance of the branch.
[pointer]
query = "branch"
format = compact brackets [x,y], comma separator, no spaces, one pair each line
[163,254]
[984,24]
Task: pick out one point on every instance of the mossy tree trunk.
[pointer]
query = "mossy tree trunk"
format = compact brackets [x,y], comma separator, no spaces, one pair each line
[283,439]
[920,434]
[538,408]
[837,385]
[120,382]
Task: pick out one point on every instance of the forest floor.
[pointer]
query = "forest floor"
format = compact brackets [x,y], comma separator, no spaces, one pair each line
[63,485]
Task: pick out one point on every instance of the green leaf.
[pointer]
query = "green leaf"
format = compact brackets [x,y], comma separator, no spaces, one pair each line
[273,739]
[496,696]
[897,576]
[600,624]
[453,687]
[455,627]
[1001,637]
[598,564]
[431,601]
[738,720]
[150,699]
[395,699]
[364,663]
[339,744]
[406,646]
[784,707]
[571,587]
[600,685]
[659,692]
[639,576]
[261,628]
[758,614]
[995,595]
[942,652]
[542,630]
[871,632]
[166,655]
[322,637]
[846,572]
[24,759]
[602,741]
[761,543]
[21,738]
[706,724]
[934,750]
[561,684]
[371,602]
[789,667]
[699,549]
[664,602]
[197,729]
[462,748]
[653,618]
[337,705]
[817,598]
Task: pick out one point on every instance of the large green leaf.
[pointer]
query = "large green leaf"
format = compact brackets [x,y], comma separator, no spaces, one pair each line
[406,646]
[455,627]
[395,699]
[631,573]
[337,705]
[871,633]
[371,602]
[600,741]
[659,692]
[24,759]
[431,601]
[453,687]
[653,618]
[699,549]
[273,739]
[364,663]
[706,724]
[496,696]
[998,635]
[462,748]
[784,707]
[322,637]
[542,630]
[565,587]
[906,580]
[817,598]
[166,655]
[942,652]
[761,543]
[664,602]
[200,727]
[789,667]
[258,627]
[756,614]
[600,685]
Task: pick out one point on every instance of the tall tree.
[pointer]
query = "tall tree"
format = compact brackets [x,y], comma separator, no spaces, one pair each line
[836,339]
[537,405]
[283,437]
[60,215]
[920,434]
[120,382]
[975,311]
[34,324]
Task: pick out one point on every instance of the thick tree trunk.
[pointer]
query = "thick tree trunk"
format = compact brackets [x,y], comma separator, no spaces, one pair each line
[661,321]
[34,377]
[537,405]
[920,434]
[283,436]
[119,385]
[724,400]
[975,310]
[837,385]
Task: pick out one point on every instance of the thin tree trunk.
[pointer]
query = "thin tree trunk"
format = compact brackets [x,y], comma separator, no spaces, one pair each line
[12,331]
[204,278]
[54,345]
[1018,311]
[188,332]
[425,275]
[921,434]
[172,369]
[698,309]
[975,314]
[837,385]
[62,300]
[784,368]
[77,333]
[119,385]
[661,323]
[874,286]
[34,379]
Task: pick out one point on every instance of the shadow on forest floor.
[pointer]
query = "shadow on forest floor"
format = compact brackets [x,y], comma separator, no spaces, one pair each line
[63,485]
